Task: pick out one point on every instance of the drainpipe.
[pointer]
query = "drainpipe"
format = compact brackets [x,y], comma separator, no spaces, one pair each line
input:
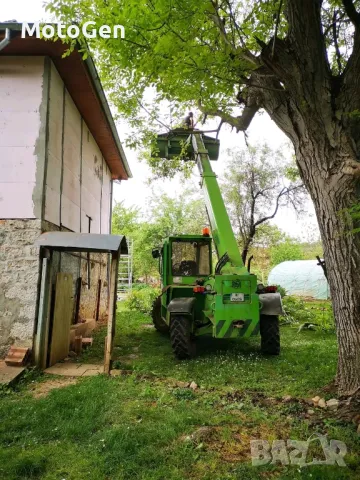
[6,40]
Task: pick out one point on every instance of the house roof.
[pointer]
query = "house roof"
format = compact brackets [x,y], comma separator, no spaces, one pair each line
[82,242]
[83,84]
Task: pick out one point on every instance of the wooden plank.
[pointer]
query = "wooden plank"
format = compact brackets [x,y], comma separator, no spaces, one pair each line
[63,310]
[111,314]
[42,333]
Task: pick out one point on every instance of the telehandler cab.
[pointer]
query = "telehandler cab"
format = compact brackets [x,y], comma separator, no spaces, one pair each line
[225,301]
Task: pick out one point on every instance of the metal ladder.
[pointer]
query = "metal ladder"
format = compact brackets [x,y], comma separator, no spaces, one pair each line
[125,272]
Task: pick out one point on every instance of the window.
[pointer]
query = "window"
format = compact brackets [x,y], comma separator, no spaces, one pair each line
[191,258]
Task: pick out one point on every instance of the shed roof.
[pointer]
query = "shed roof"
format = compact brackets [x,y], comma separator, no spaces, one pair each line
[83,84]
[83,242]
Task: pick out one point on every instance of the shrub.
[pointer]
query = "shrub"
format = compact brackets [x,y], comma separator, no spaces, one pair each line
[315,312]
[296,310]
[141,300]
[140,286]
[281,290]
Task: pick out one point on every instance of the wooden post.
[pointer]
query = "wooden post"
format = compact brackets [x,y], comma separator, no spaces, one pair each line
[98,297]
[42,331]
[111,312]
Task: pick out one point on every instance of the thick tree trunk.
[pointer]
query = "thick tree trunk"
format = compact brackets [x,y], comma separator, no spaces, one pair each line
[333,192]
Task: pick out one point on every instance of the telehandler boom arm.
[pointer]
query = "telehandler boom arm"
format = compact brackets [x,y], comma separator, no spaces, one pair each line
[230,260]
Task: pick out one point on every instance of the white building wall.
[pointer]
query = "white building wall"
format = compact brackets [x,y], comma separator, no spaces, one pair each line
[21,87]
[78,179]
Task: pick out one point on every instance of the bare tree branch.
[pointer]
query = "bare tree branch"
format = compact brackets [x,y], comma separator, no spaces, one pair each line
[336,42]
[248,238]
[277,26]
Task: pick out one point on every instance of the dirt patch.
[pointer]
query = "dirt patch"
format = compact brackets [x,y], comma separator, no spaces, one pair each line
[42,389]
[232,443]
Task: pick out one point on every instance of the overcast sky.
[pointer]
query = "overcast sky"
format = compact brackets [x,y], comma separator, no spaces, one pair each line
[135,191]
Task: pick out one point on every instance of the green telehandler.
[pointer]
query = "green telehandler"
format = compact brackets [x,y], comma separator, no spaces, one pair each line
[225,301]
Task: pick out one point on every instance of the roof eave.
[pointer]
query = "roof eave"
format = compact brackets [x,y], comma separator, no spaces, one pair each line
[16,27]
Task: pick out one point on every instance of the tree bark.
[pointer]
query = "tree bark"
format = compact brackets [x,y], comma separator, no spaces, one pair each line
[326,155]
[332,195]
[313,111]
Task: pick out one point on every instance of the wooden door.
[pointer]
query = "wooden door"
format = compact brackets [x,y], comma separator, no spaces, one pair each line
[63,310]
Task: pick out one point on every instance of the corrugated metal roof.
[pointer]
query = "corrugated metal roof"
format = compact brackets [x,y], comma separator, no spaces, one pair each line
[83,242]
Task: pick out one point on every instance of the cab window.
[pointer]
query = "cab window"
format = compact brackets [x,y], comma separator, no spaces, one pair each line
[191,258]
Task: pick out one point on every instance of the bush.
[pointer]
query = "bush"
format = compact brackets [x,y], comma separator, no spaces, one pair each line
[281,290]
[297,311]
[315,312]
[140,286]
[142,299]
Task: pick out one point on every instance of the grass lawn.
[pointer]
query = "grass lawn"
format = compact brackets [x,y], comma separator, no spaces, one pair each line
[143,425]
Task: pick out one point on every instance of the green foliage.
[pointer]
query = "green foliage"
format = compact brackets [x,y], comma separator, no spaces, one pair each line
[165,216]
[184,394]
[284,251]
[268,235]
[297,310]
[281,290]
[188,53]
[315,312]
[125,219]
[312,250]
[139,286]
[354,212]
[141,300]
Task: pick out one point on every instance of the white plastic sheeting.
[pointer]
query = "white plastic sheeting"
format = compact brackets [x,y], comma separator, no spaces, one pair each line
[300,277]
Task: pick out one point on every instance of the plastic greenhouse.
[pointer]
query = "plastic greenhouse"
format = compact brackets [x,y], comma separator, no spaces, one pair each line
[304,278]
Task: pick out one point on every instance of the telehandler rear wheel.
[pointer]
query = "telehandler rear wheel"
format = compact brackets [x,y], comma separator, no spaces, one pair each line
[182,339]
[158,322]
[270,334]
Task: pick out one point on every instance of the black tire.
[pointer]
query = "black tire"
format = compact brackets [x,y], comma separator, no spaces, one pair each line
[181,337]
[270,334]
[158,322]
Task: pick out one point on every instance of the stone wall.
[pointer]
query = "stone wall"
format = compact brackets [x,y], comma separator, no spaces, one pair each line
[19,279]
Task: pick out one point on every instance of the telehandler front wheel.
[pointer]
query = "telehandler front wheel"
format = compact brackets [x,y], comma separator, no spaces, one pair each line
[158,322]
[270,334]
[181,337]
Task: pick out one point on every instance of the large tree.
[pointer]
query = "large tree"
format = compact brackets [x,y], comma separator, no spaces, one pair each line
[257,183]
[299,60]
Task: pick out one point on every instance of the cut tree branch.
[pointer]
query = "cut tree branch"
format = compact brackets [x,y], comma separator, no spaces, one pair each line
[240,123]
